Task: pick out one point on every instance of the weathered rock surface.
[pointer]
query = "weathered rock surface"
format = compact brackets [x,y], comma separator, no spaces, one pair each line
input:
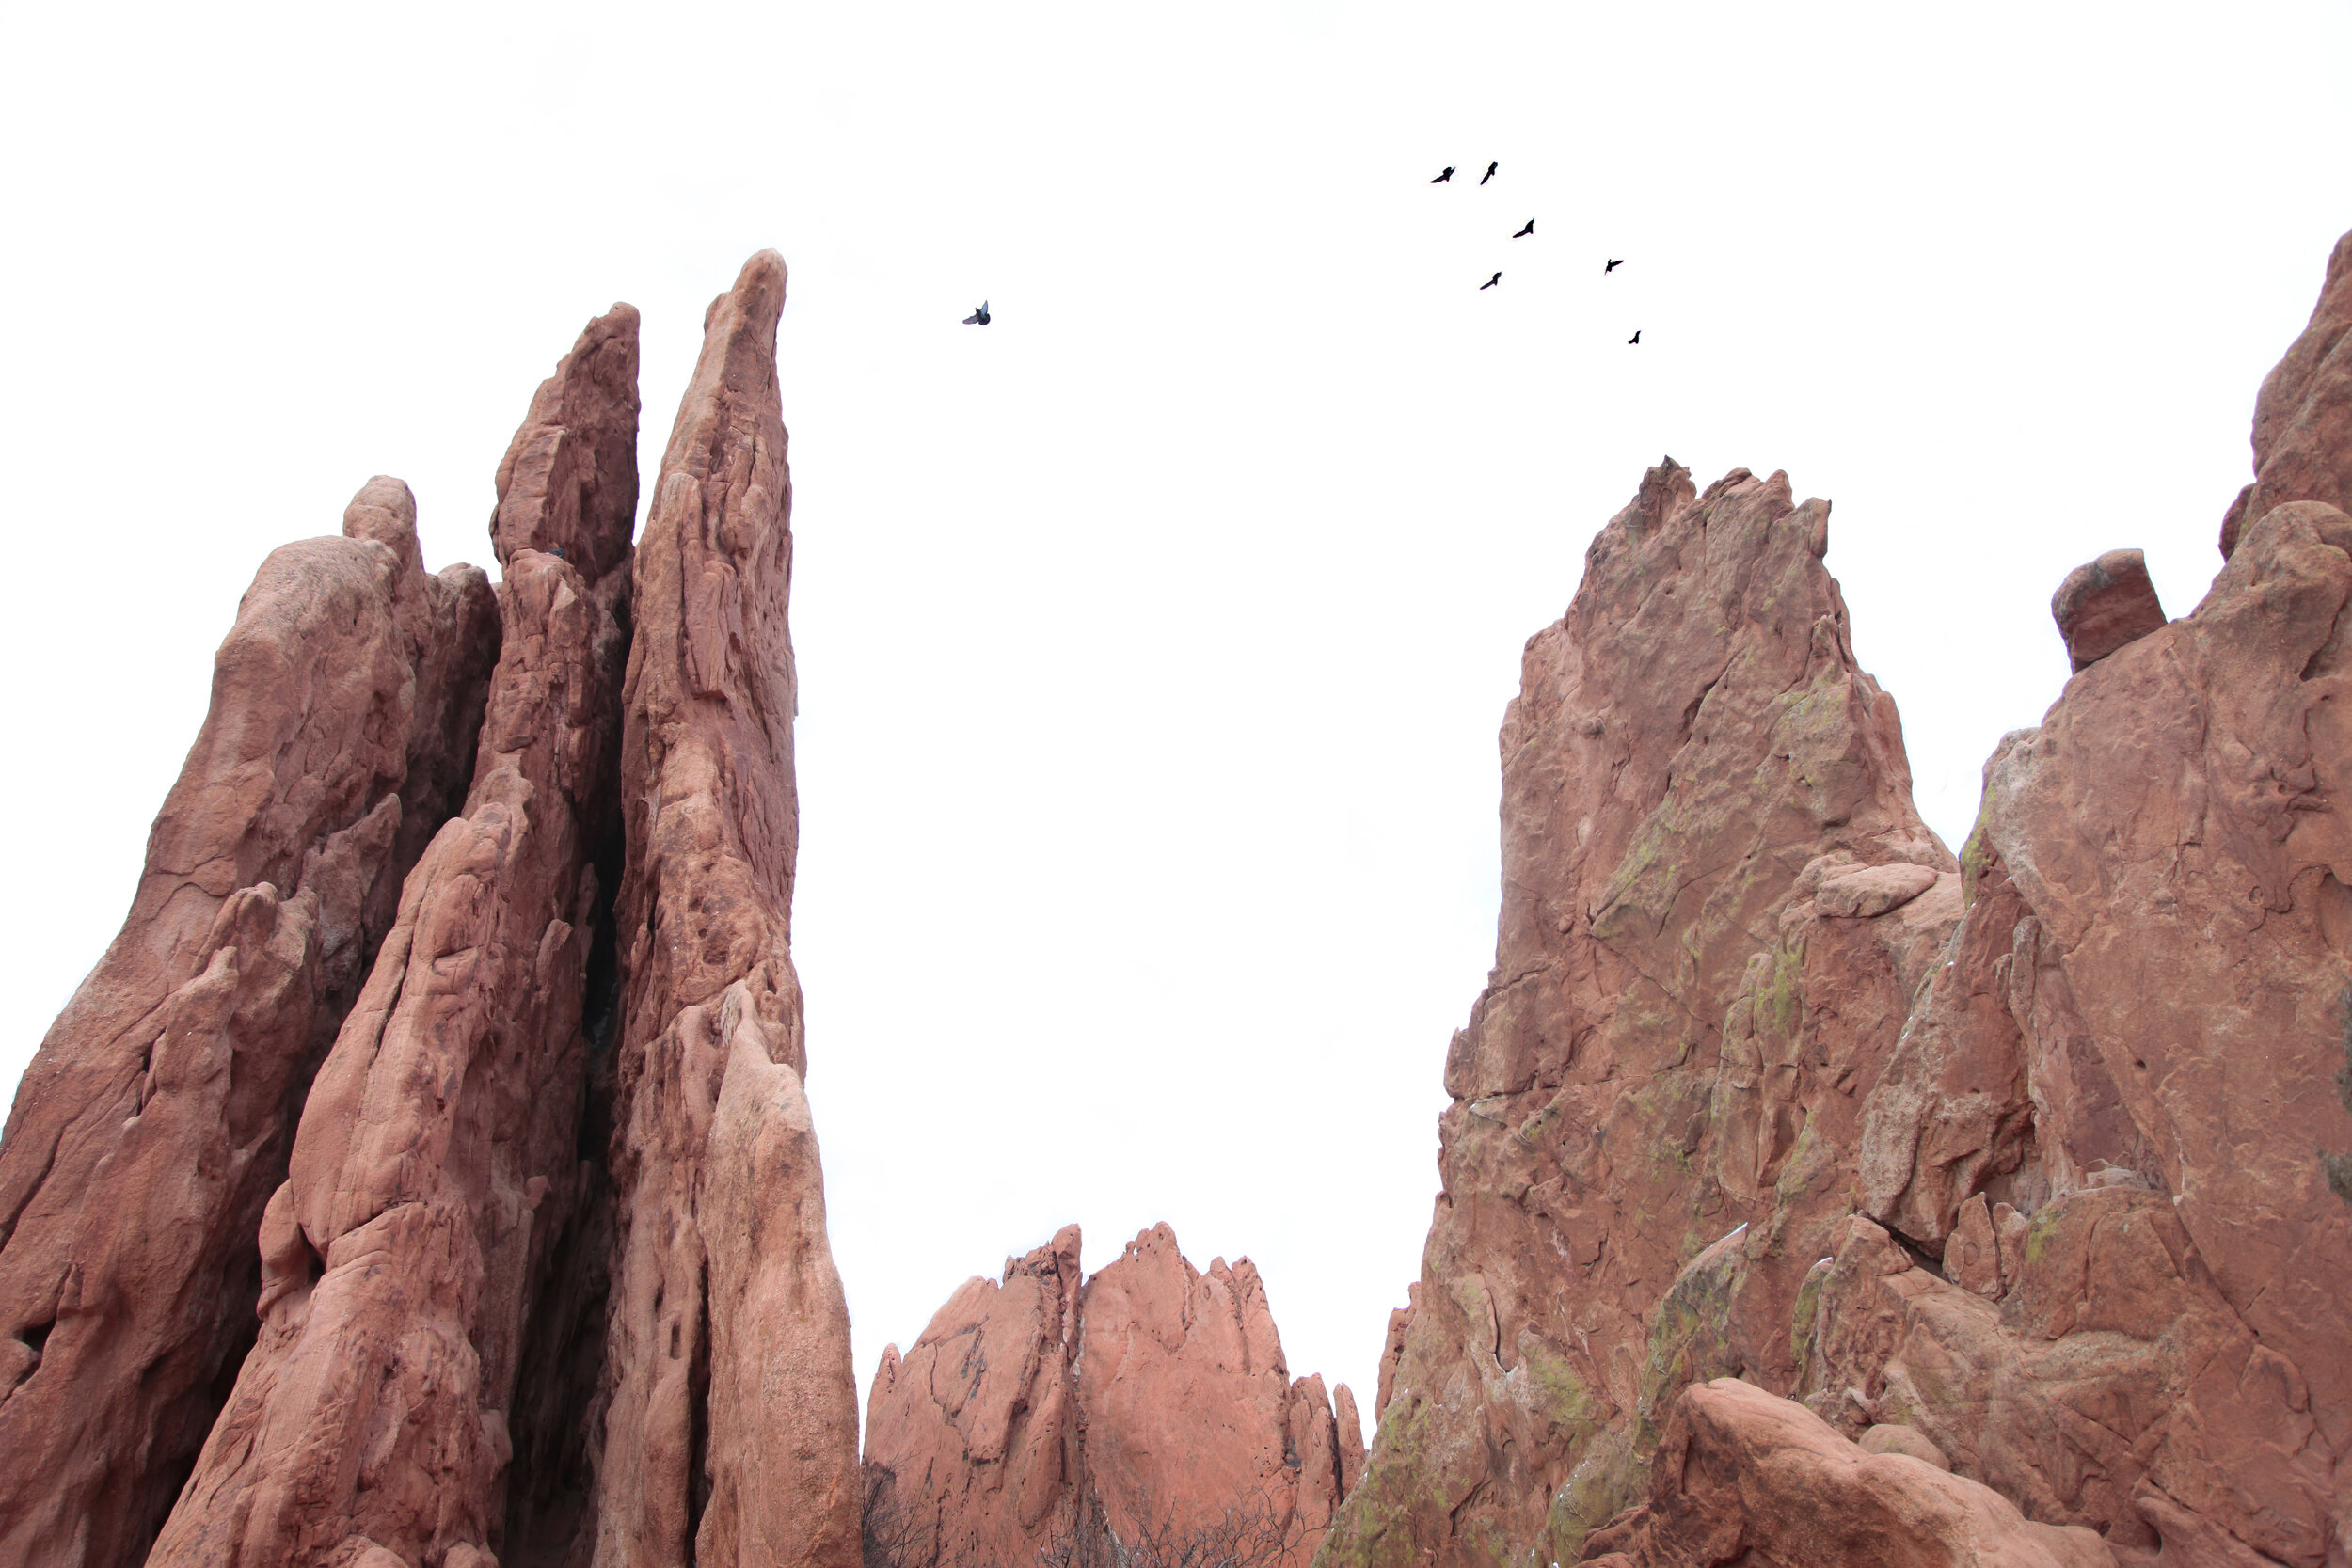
[2104,604]
[157,1117]
[1147,1416]
[2303,417]
[2103,1155]
[1743,1476]
[2139,1050]
[1718,900]
[437,1152]
[729,1429]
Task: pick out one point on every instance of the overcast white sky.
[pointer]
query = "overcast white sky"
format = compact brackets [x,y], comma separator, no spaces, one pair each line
[1153,641]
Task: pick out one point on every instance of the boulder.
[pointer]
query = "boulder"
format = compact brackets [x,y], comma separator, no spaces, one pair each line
[1744,1476]
[2104,604]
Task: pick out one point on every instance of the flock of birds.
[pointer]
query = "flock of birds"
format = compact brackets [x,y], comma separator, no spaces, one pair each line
[1445,177]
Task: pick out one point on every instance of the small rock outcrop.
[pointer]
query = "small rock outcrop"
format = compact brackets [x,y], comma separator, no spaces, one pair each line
[1146,1417]
[2303,417]
[729,1424]
[158,1115]
[436,1156]
[1743,1476]
[2104,604]
[1717,902]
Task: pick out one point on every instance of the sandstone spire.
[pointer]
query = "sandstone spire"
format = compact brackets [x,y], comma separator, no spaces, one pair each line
[730,1431]
[436,1156]
[156,1118]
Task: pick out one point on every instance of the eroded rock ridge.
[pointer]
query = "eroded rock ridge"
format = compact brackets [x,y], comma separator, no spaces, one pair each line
[1144,1416]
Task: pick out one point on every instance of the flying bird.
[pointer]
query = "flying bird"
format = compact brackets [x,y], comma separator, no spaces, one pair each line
[1637,336]
[1491,281]
[1443,177]
[1489,174]
[1612,266]
[979,317]
[1526,232]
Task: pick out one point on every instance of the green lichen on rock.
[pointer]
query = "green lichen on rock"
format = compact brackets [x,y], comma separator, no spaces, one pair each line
[1804,1319]
[1374,1528]
[1690,1335]
[1605,1481]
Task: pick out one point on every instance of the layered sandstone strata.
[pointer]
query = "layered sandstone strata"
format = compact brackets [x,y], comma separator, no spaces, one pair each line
[1718,900]
[729,1418]
[1146,1417]
[157,1117]
[437,1154]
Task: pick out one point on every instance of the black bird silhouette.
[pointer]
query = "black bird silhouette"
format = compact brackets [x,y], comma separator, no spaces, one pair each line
[979,317]
[1443,177]
[1612,266]
[1526,232]
[1491,281]
[1637,336]
[1489,174]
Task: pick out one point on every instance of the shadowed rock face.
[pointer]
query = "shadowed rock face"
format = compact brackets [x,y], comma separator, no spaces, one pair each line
[437,1152]
[1036,1420]
[158,1115]
[1717,901]
[729,1431]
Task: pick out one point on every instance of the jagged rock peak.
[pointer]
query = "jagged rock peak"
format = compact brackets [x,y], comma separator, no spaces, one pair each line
[437,1155]
[568,482]
[1142,1414]
[721,1258]
[1716,895]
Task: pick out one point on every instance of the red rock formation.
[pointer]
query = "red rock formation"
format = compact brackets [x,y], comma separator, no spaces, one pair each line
[730,1430]
[2303,417]
[157,1117]
[1743,1476]
[1037,1421]
[2106,1154]
[436,1155]
[1718,900]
